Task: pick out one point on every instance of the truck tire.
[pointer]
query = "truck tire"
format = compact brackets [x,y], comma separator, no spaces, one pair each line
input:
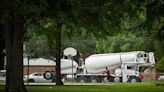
[133,79]
[95,79]
[117,79]
[82,79]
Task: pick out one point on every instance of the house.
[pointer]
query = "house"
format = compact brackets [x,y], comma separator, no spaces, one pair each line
[38,65]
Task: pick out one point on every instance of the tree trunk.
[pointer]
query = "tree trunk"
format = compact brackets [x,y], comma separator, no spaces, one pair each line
[58,52]
[14,51]
[2,47]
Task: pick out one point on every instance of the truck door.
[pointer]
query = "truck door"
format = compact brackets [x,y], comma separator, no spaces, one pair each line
[151,58]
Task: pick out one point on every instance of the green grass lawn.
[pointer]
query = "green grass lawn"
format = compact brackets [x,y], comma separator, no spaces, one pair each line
[103,87]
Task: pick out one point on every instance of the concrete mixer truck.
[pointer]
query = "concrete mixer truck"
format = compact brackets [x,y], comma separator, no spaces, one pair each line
[124,66]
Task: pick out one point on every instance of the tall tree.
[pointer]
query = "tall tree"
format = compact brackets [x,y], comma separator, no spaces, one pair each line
[2,47]
[58,53]
[86,14]
[2,41]
[17,13]
[14,29]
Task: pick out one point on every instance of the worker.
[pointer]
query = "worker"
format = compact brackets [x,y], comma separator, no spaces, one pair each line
[108,75]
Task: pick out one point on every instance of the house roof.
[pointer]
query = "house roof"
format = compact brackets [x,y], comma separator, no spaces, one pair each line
[38,62]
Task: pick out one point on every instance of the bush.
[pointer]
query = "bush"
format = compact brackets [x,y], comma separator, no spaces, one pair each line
[160,65]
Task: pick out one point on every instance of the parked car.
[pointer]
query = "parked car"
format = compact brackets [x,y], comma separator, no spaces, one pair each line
[3,75]
[161,77]
[36,77]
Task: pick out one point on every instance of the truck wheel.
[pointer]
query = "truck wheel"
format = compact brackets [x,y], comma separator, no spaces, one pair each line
[94,79]
[117,79]
[82,79]
[133,79]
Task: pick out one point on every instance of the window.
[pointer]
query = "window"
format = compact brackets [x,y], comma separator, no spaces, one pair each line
[145,55]
[37,74]
[140,55]
[129,67]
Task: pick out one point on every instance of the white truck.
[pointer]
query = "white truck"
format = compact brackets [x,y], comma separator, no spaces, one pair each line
[124,66]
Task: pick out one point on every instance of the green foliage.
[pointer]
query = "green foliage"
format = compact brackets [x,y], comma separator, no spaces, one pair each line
[37,46]
[159,50]
[160,65]
[34,10]
[84,46]
[123,43]
[110,25]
